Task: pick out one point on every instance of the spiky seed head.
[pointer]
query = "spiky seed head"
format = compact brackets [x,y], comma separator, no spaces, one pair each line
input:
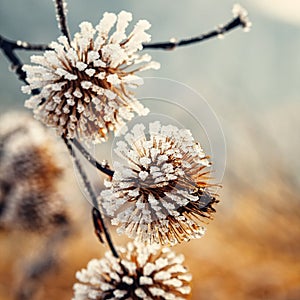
[160,192]
[86,86]
[149,273]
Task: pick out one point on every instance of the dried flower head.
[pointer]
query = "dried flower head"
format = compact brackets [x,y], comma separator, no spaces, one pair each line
[29,174]
[85,86]
[140,273]
[242,14]
[161,194]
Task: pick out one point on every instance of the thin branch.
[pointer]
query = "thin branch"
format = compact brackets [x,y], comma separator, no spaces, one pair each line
[21,45]
[240,20]
[101,167]
[102,227]
[61,16]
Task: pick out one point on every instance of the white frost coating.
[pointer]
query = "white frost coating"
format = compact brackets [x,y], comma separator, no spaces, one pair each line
[97,64]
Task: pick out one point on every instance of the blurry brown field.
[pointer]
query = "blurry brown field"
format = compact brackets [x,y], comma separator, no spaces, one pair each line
[251,249]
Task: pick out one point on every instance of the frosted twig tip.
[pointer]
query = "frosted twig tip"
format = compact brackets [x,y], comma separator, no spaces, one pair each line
[240,12]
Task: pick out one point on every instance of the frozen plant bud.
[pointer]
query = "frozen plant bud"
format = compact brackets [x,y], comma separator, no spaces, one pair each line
[147,273]
[242,14]
[160,194]
[30,169]
[85,87]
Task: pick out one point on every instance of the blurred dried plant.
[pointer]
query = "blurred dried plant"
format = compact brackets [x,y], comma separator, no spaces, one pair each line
[31,166]
[30,170]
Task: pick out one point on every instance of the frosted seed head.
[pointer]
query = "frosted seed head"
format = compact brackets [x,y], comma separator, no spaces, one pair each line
[79,72]
[163,181]
[134,274]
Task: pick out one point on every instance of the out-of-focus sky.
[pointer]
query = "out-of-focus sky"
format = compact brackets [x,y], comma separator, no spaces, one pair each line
[250,80]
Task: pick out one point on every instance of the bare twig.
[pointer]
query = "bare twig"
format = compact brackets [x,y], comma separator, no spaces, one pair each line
[240,20]
[61,16]
[101,226]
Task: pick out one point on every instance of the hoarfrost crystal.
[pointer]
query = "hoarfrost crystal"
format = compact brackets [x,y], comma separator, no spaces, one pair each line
[85,87]
[141,273]
[160,193]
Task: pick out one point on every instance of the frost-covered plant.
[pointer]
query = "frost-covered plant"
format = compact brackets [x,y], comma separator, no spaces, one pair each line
[85,85]
[159,193]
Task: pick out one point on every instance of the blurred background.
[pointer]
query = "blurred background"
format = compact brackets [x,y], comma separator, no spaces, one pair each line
[251,81]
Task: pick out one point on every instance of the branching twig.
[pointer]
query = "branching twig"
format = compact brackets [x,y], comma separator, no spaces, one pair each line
[61,16]
[240,20]
[92,195]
